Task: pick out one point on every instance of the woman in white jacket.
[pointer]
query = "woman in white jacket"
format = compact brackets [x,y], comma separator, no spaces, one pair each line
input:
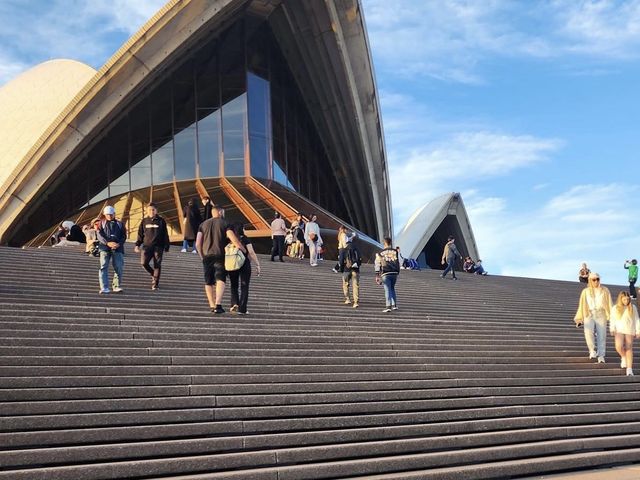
[624,325]
[594,311]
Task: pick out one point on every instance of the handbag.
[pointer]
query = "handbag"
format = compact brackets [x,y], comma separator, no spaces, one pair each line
[233,258]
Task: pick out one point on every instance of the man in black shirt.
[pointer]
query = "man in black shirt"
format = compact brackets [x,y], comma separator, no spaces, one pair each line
[213,236]
[154,238]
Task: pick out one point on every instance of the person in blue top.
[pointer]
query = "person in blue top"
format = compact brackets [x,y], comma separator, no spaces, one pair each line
[632,266]
[111,237]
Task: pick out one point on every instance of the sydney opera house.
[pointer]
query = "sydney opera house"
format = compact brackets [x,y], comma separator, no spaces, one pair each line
[262,105]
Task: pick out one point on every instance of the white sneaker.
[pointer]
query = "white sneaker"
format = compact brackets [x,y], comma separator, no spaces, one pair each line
[105,291]
[592,355]
[334,270]
[395,307]
[184,250]
[314,264]
[117,290]
[623,363]
[194,251]
[601,360]
[347,302]
[629,372]
[386,310]
[355,305]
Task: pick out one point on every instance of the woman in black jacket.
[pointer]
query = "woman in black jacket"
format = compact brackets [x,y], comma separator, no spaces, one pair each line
[192,221]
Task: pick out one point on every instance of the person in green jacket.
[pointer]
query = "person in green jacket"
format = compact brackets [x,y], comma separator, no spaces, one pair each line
[632,266]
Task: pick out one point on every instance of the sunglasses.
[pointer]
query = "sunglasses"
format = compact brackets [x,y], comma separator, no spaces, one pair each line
[595,279]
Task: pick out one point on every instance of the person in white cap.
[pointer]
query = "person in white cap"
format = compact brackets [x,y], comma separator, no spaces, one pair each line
[111,237]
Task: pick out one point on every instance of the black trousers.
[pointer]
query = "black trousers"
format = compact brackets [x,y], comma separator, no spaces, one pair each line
[239,280]
[278,246]
[632,288]
[155,254]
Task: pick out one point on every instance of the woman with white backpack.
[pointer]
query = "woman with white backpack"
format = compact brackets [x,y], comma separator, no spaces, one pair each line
[241,277]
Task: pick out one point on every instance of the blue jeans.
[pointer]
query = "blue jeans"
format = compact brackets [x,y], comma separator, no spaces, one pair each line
[117,258]
[450,268]
[389,283]
[186,244]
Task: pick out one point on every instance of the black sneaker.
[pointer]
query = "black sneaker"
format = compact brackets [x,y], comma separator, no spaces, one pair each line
[217,310]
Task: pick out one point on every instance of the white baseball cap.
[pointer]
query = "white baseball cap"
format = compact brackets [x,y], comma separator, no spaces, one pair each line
[109,210]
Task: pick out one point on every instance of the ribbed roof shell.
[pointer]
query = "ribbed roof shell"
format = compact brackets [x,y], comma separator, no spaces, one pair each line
[31,102]
[414,236]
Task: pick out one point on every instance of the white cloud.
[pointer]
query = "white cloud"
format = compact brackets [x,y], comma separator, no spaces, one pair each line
[451,40]
[584,223]
[10,68]
[459,162]
[602,28]
[86,31]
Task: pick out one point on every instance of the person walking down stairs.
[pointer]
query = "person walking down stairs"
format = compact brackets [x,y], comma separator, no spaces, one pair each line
[240,279]
[192,221]
[153,236]
[632,266]
[449,256]
[594,311]
[387,267]
[624,325]
[111,236]
[278,232]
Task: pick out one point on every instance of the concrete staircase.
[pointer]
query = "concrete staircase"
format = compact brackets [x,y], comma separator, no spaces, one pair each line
[482,378]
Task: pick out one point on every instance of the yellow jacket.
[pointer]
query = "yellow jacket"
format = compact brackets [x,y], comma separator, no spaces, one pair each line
[583,306]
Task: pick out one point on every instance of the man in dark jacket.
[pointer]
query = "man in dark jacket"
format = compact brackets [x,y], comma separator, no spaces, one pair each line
[111,237]
[153,236]
[207,206]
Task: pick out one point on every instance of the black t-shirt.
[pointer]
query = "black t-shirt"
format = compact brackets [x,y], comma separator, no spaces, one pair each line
[76,235]
[246,241]
[214,236]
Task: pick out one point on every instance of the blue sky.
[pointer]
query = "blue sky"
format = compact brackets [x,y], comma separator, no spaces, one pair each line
[529,109]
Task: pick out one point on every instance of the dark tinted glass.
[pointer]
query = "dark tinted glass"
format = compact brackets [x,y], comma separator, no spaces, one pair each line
[185,154]
[259,126]
[233,128]
[209,142]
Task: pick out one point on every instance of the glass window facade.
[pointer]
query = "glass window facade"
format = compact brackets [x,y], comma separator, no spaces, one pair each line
[231,108]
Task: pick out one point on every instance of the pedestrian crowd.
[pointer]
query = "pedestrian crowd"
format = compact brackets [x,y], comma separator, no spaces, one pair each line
[596,310]
[226,251]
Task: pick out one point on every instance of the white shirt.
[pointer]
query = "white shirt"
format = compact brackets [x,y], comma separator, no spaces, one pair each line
[595,301]
[278,227]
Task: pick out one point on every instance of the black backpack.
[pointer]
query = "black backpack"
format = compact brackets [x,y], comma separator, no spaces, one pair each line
[353,258]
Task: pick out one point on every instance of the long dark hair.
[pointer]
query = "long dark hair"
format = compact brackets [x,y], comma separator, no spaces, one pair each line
[238,229]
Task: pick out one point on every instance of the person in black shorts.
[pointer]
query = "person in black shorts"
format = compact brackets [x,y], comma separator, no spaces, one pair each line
[213,235]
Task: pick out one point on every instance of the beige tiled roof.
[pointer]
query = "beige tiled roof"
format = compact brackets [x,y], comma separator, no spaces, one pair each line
[31,102]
